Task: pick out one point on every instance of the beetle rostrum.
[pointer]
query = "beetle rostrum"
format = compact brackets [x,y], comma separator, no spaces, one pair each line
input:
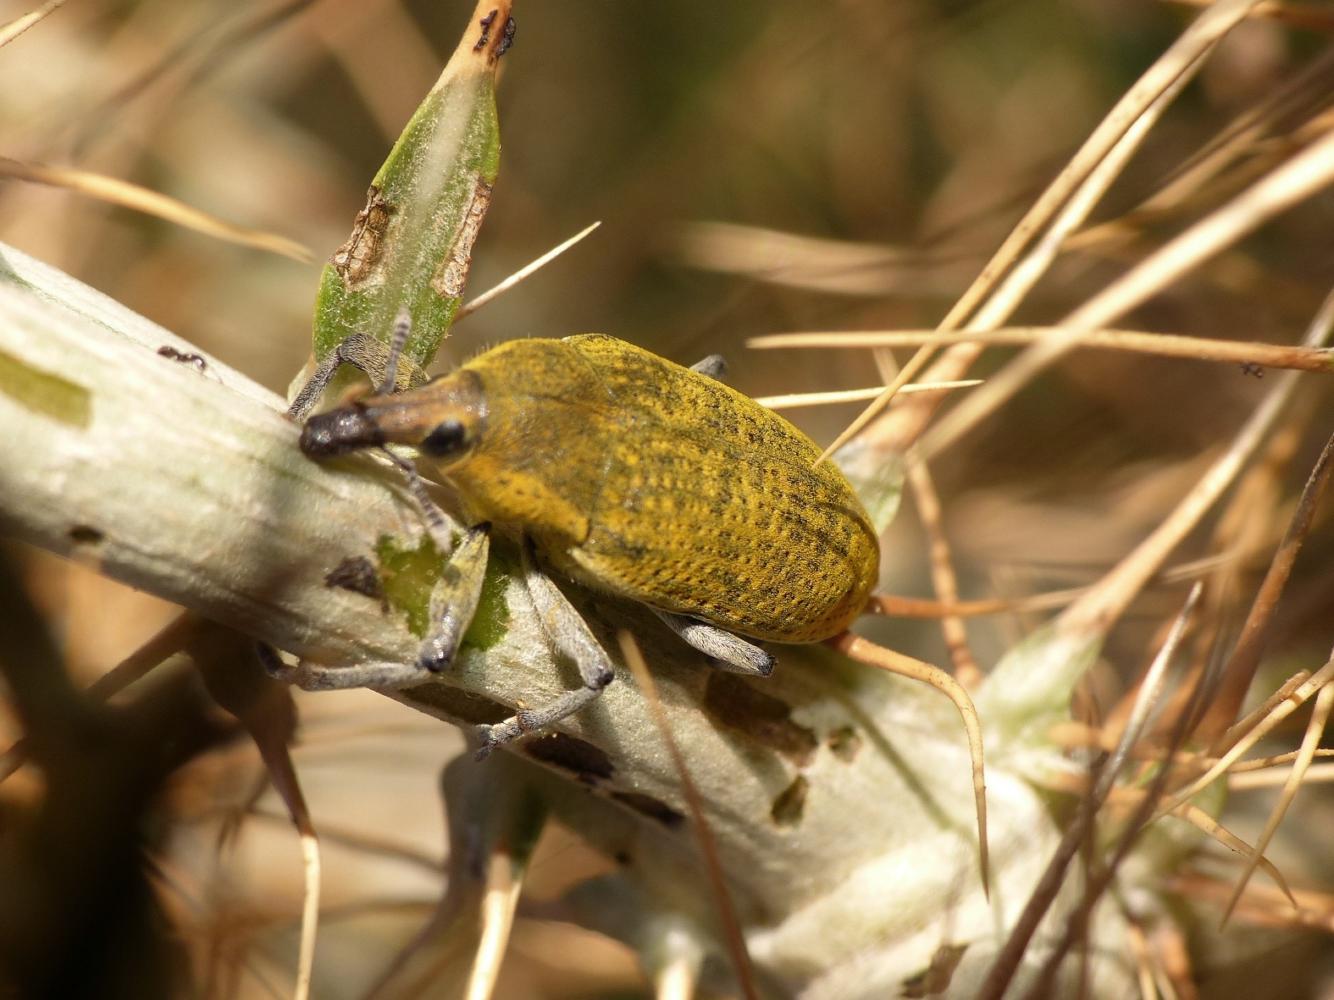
[338,432]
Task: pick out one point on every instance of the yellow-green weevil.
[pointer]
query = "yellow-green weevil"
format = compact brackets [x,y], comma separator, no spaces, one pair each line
[627,473]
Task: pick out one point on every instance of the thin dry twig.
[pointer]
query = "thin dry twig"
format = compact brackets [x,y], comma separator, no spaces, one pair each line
[1308,16]
[795,400]
[736,942]
[1299,696]
[1320,713]
[23,22]
[141,199]
[942,572]
[1103,154]
[1261,905]
[1303,175]
[1167,345]
[1047,887]
[1108,599]
[1208,824]
[1245,659]
[468,308]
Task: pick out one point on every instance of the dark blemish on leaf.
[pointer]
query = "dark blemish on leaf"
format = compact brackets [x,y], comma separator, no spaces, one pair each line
[935,978]
[486,23]
[455,703]
[357,574]
[508,39]
[845,743]
[453,272]
[622,858]
[764,718]
[197,360]
[1251,368]
[788,808]
[84,534]
[356,258]
[579,757]
[654,809]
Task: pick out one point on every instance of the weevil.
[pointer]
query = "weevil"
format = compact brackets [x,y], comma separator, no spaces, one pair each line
[624,472]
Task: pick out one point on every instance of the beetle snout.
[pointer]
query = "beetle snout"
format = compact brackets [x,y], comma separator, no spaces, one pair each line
[339,432]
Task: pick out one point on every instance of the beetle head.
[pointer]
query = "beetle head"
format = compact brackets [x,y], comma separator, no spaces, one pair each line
[443,418]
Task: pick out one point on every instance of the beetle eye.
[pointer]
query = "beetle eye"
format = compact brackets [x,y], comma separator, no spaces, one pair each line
[448,438]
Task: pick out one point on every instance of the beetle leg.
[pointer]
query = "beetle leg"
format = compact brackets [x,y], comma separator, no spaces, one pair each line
[733,654]
[364,352]
[571,636]
[454,599]
[453,604]
[714,366]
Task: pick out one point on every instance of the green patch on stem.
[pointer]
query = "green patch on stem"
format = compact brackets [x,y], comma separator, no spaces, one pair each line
[408,575]
[492,619]
[42,392]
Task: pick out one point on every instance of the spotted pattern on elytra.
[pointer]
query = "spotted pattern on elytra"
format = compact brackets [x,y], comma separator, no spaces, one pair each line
[641,478]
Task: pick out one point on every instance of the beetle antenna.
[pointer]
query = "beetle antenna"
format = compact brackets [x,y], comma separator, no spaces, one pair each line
[402,327]
[436,524]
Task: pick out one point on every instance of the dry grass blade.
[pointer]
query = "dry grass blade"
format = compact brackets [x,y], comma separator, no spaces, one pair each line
[1245,659]
[921,607]
[1108,599]
[864,651]
[1249,780]
[1300,177]
[310,912]
[909,371]
[677,980]
[1103,154]
[500,900]
[23,22]
[736,942]
[1263,906]
[1299,696]
[528,269]
[1307,16]
[1320,713]
[1253,718]
[1167,345]
[1207,824]
[796,400]
[1276,760]
[1045,891]
[140,199]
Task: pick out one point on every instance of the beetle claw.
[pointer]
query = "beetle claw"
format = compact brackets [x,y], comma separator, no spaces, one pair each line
[436,655]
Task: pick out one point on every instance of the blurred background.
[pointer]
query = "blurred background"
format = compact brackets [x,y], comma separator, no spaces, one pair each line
[758,166]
